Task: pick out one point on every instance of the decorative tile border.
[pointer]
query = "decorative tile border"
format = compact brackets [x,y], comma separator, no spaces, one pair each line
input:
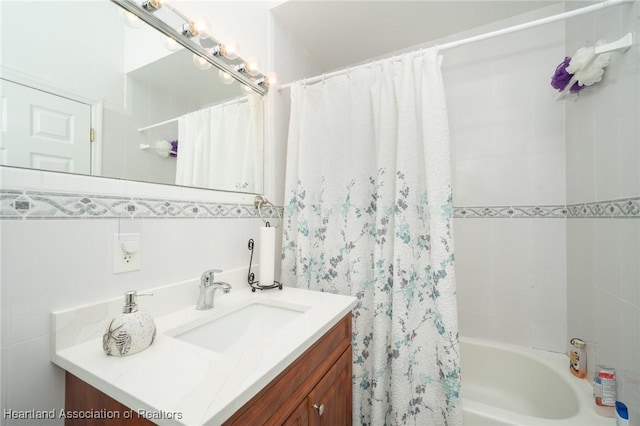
[16,204]
[621,208]
[511,212]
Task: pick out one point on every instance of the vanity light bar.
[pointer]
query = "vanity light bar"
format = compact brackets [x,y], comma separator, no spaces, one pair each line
[257,82]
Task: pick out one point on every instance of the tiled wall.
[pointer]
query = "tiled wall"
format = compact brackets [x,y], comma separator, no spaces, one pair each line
[57,253]
[56,235]
[603,162]
[509,168]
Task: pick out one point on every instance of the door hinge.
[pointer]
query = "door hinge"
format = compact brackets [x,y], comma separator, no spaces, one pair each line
[92,134]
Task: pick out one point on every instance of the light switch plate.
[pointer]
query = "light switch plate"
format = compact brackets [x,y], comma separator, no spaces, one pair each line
[124,261]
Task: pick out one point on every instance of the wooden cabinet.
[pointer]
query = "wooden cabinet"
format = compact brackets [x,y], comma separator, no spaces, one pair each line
[314,390]
[300,416]
[82,398]
[330,401]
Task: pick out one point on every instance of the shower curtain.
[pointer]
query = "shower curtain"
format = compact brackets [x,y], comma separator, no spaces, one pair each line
[221,146]
[368,212]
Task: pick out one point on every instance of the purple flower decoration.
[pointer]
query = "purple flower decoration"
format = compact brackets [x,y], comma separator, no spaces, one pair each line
[561,77]
[174,148]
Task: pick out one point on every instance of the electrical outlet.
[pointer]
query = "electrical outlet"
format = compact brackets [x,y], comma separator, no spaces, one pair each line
[126,253]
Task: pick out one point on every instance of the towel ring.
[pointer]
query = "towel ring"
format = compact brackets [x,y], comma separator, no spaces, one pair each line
[259,201]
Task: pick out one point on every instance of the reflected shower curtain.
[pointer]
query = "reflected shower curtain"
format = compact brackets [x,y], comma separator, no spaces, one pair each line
[221,146]
[368,213]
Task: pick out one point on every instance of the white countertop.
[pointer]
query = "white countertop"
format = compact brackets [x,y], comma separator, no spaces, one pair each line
[180,383]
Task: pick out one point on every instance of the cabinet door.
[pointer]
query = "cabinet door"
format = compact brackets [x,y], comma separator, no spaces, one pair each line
[300,417]
[330,401]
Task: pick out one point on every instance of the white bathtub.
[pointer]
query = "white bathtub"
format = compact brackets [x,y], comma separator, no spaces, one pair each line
[511,385]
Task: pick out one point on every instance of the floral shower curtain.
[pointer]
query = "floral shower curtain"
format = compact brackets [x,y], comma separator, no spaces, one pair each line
[368,213]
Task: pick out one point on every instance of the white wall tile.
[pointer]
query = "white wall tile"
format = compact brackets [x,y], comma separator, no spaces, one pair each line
[547,335]
[513,329]
[603,162]
[507,130]
[511,278]
[607,177]
[34,382]
[16,178]
[581,250]
[509,150]
[580,146]
[629,152]
[607,273]
[171,250]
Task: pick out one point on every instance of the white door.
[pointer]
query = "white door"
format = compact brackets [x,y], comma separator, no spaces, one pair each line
[43,131]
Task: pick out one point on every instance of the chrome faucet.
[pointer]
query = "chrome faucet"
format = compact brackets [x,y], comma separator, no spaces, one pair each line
[208,288]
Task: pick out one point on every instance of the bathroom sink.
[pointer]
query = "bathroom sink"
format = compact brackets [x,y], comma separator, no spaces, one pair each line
[239,328]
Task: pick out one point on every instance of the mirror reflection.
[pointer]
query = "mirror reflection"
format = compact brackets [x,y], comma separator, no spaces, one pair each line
[157,113]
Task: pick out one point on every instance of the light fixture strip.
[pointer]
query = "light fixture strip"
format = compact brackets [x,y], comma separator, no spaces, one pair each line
[167,30]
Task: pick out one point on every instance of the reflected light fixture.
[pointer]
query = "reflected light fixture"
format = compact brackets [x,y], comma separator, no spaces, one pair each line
[246,89]
[131,20]
[200,62]
[225,77]
[170,44]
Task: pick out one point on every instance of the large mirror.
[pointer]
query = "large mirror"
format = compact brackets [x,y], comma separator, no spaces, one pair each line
[85,89]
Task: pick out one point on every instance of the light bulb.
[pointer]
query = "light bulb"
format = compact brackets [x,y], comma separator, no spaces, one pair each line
[273,78]
[251,67]
[170,44]
[246,89]
[200,62]
[202,28]
[131,20]
[231,49]
[225,77]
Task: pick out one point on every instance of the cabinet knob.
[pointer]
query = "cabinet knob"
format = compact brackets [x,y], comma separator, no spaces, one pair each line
[320,409]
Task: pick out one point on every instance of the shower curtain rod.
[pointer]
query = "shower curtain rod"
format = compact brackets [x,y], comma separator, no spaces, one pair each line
[234,101]
[562,16]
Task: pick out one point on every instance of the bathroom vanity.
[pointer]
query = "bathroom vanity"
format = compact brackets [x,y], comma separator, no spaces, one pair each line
[315,389]
[279,357]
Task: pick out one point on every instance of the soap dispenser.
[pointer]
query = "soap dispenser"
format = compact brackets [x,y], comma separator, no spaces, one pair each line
[130,332]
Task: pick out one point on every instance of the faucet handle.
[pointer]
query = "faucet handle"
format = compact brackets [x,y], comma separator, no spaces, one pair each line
[208,276]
